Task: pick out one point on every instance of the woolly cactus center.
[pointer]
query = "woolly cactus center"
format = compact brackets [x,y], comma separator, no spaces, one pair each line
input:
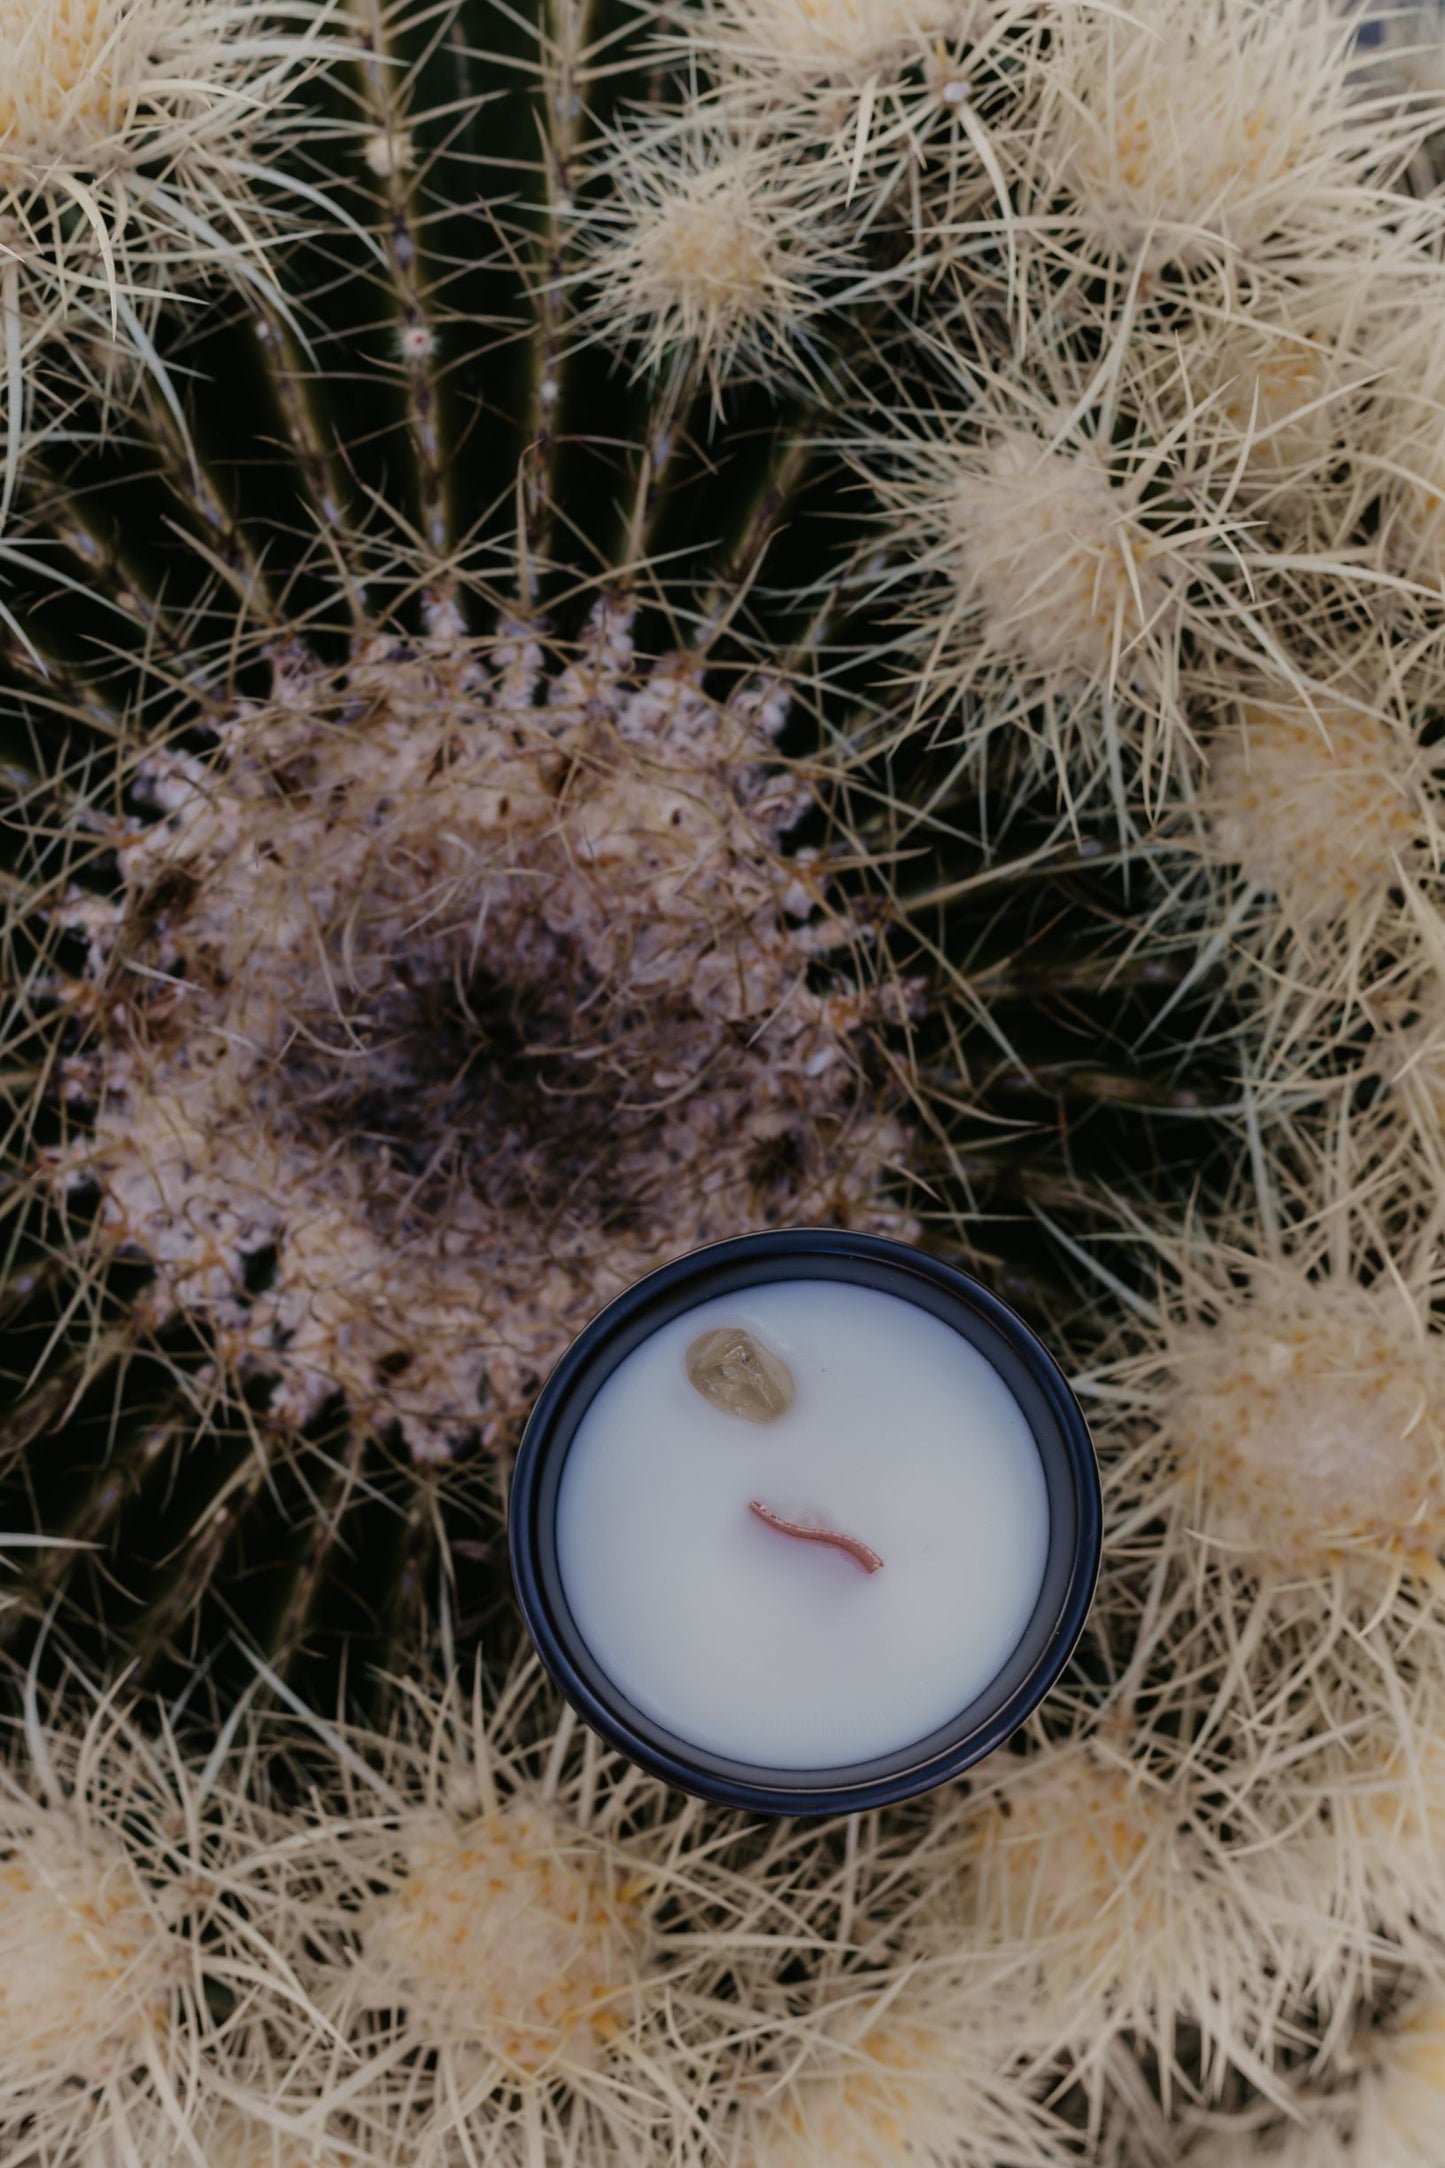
[1412,1059]
[1416,528]
[1320,810]
[1397,1796]
[841,40]
[708,254]
[68,74]
[1145,144]
[1175,144]
[84,1965]
[508,1088]
[239,2142]
[410,978]
[1310,1423]
[1271,398]
[1061,566]
[1060,1849]
[1404,2088]
[512,1934]
[231,2140]
[866,2115]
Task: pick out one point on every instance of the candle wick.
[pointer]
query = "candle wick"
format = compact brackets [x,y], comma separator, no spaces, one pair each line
[858,1552]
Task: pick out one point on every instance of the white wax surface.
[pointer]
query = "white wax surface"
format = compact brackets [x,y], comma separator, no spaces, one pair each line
[770,1650]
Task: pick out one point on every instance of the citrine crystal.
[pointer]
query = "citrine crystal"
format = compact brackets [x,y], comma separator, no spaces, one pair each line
[732,1370]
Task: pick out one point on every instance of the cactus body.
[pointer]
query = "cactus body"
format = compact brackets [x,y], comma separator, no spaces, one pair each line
[624,624]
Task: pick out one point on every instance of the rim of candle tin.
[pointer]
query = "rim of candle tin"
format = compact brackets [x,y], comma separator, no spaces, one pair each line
[1060,1434]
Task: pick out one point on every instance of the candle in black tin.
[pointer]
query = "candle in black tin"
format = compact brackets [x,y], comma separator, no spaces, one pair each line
[827,1565]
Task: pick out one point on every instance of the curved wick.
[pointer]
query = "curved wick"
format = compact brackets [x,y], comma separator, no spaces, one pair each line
[858,1552]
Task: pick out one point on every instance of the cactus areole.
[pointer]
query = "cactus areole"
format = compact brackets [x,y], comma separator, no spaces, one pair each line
[996,1446]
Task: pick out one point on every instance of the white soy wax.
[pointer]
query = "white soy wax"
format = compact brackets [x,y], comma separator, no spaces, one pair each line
[749,1643]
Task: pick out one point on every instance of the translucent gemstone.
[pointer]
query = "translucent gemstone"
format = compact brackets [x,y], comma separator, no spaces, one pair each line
[730,1369]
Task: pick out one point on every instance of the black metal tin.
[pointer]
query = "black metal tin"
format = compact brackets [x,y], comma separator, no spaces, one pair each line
[1060,1432]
